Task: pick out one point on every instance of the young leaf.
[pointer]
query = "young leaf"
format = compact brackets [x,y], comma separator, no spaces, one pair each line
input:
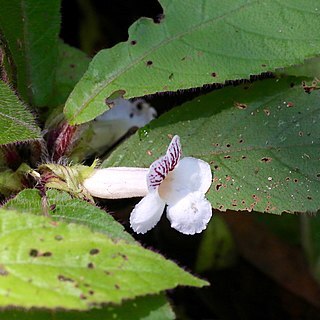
[57,265]
[16,122]
[142,308]
[30,29]
[197,43]
[61,206]
[262,141]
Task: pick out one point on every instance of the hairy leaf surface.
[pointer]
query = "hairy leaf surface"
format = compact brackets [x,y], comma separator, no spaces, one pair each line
[16,122]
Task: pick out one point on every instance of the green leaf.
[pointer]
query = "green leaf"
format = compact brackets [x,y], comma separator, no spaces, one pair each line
[57,265]
[72,65]
[30,29]
[217,248]
[16,122]
[261,140]
[142,308]
[61,206]
[310,234]
[198,43]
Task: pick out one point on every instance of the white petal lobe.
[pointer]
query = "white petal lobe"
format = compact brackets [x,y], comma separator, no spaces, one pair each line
[191,214]
[147,213]
[195,173]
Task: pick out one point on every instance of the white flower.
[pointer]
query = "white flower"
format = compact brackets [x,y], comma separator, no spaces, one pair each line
[109,127]
[106,130]
[180,184]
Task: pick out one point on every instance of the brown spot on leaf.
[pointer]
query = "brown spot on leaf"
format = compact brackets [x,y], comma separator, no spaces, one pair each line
[64,278]
[58,237]
[227,157]
[133,42]
[213,74]
[117,286]
[243,157]
[300,133]
[256,198]
[241,141]
[240,106]
[82,296]
[33,253]
[90,265]
[309,198]
[266,159]
[122,255]
[91,292]
[171,76]
[149,63]
[290,104]
[295,180]
[47,254]
[218,186]
[228,145]
[267,112]
[94,251]
[149,152]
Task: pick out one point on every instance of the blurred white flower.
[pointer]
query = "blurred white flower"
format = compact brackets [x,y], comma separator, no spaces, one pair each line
[99,135]
[180,184]
[114,123]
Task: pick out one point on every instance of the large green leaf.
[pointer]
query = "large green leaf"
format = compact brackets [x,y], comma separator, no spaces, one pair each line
[142,308]
[61,206]
[30,29]
[53,264]
[198,43]
[262,142]
[16,122]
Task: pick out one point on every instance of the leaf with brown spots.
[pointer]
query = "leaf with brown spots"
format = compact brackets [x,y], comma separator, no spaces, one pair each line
[65,274]
[260,154]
